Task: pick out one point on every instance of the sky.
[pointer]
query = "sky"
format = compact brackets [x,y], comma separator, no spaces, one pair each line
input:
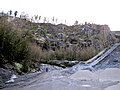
[92,11]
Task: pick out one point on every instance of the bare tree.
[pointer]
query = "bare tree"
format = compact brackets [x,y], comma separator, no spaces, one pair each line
[53,20]
[2,13]
[65,21]
[36,17]
[76,22]
[44,20]
[56,20]
[31,19]
[22,15]
[10,12]
[39,18]
[48,20]
[26,17]
[15,13]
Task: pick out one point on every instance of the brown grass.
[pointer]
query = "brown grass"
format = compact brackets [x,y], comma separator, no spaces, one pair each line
[62,54]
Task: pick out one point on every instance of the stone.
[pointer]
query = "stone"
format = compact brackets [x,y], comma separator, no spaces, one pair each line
[2,84]
[5,74]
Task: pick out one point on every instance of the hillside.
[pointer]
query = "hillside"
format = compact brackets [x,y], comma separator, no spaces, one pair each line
[29,47]
[53,43]
[62,36]
[81,36]
[117,35]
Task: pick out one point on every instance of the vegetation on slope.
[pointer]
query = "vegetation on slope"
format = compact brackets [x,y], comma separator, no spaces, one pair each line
[25,44]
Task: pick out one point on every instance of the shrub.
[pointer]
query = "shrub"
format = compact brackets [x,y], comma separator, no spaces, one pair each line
[67,54]
[17,46]
[35,52]
[13,47]
[18,67]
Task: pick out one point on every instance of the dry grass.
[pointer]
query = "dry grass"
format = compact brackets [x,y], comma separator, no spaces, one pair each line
[62,54]
[16,46]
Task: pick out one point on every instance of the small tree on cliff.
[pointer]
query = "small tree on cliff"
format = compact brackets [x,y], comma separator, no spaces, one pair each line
[53,19]
[44,20]
[16,12]
[76,22]
[10,12]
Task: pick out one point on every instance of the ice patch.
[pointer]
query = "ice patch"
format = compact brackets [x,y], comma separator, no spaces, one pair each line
[86,85]
[12,79]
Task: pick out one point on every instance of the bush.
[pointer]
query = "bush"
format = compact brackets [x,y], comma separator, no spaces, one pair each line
[66,54]
[18,47]
[13,48]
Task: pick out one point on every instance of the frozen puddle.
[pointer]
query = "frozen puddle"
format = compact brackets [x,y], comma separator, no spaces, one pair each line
[86,85]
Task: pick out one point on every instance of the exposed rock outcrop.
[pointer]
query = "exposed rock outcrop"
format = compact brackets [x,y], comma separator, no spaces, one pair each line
[4,76]
[80,36]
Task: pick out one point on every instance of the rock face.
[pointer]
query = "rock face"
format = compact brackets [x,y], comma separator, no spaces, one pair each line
[4,76]
[80,36]
[117,35]
[51,36]
[75,38]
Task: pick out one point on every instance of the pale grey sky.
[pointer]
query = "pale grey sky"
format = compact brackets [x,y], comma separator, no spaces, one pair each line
[93,11]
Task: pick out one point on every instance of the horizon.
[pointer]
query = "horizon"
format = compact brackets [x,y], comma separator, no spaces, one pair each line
[93,11]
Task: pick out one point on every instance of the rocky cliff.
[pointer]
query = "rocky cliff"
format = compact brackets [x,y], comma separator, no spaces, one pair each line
[57,36]
[79,36]
[83,40]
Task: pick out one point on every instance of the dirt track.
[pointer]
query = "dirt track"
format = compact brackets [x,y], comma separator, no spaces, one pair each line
[105,77]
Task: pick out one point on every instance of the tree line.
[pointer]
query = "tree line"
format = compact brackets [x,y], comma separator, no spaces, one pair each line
[34,18]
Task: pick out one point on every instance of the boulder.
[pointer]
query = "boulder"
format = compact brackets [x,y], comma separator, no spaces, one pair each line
[5,75]
[2,84]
